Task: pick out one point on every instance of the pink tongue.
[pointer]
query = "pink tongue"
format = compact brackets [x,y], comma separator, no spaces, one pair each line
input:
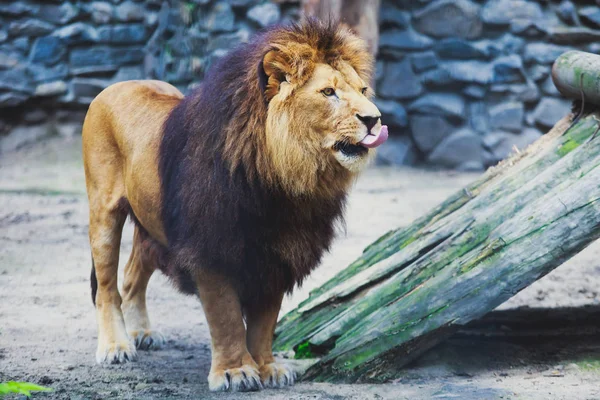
[371,141]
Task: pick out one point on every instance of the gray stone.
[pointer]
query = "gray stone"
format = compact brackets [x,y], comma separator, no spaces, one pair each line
[424,61]
[9,59]
[130,12]
[133,72]
[102,12]
[539,72]
[40,73]
[508,69]
[123,34]
[399,81]
[549,89]
[30,27]
[550,110]
[58,14]
[215,56]
[461,49]
[12,99]
[105,56]
[21,44]
[543,53]
[529,29]
[573,36]
[51,88]
[16,79]
[504,12]
[429,130]
[394,40]
[475,91]
[392,16]
[228,40]
[591,15]
[463,146]
[379,66]
[594,48]
[392,113]
[77,33]
[18,9]
[218,19]
[3,36]
[525,92]
[471,166]
[506,45]
[507,116]
[396,151]
[264,14]
[88,87]
[460,72]
[443,104]
[502,144]
[460,19]
[478,117]
[47,50]
[567,12]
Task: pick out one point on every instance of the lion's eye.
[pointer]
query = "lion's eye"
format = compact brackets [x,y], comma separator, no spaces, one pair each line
[364,90]
[328,91]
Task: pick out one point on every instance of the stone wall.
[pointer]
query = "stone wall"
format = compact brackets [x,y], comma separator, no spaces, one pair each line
[467,81]
[460,82]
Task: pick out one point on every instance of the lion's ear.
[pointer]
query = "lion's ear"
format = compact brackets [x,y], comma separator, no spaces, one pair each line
[273,70]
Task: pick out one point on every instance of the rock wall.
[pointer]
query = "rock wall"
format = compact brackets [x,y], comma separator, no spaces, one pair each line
[460,82]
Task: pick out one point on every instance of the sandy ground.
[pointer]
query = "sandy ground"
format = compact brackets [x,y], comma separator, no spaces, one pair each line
[48,331]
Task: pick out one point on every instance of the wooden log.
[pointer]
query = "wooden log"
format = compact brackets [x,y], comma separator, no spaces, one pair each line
[575,73]
[415,286]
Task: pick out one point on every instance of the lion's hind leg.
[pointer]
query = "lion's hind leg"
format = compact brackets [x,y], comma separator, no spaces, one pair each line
[106,223]
[139,269]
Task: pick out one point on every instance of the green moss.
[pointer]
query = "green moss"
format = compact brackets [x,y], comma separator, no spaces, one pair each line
[567,147]
[304,351]
[589,364]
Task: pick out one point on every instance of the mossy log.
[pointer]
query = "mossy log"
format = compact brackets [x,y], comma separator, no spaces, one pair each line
[415,286]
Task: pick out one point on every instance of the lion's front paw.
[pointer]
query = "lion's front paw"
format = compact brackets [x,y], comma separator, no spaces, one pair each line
[277,375]
[242,379]
[116,353]
[147,339]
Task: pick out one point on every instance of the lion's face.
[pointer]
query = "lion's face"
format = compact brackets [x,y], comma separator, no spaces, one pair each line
[320,120]
[335,106]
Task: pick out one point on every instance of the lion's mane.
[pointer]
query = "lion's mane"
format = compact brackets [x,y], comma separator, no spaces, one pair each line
[225,203]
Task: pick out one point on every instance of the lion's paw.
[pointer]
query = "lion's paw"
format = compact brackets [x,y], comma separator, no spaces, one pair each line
[116,353]
[277,375]
[147,339]
[244,379]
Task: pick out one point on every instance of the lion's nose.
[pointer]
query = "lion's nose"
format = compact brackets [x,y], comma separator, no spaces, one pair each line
[369,120]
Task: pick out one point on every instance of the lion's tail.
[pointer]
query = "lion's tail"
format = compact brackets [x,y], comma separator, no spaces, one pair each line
[93,282]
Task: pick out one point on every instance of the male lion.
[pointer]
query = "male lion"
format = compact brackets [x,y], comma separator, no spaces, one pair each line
[234,189]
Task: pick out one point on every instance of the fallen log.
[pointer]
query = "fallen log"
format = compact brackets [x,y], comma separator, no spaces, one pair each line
[415,286]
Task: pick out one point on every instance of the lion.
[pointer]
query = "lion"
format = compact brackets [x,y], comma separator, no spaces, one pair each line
[235,190]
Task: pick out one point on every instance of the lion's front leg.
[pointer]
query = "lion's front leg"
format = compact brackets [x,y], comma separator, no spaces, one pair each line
[261,319]
[232,367]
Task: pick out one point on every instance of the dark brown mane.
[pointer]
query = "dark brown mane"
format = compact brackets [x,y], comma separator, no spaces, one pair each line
[222,208]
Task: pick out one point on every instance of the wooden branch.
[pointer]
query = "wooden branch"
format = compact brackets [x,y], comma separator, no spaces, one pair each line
[577,73]
[415,286]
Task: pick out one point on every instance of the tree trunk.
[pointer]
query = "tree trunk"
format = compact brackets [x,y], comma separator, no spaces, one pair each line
[362,16]
[415,286]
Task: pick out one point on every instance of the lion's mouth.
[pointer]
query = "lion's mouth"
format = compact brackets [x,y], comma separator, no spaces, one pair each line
[349,149]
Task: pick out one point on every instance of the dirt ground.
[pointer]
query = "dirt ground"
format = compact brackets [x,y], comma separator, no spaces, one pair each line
[550,350]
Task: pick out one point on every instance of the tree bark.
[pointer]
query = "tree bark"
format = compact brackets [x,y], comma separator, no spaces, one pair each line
[361,16]
[415,286]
